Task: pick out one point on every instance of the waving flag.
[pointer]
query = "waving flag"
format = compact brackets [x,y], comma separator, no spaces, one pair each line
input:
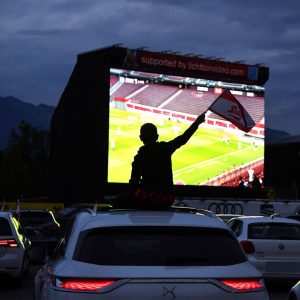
[229,108]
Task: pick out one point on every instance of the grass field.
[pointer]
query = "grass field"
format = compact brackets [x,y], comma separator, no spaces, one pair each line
[205,156]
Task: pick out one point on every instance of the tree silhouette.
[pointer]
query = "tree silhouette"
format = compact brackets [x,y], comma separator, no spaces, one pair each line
[24,163]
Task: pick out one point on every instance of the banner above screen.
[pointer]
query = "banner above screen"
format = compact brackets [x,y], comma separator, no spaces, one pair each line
[194,66]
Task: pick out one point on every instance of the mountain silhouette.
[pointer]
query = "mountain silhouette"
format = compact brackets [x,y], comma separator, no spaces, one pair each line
[13,111]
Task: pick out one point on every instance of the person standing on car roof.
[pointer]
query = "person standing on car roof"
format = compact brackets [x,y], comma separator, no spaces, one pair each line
[151,176]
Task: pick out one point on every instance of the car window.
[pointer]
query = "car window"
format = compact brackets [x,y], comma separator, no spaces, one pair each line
[286,231]
[158,246]
[35,218]
[63,240]
[5,229]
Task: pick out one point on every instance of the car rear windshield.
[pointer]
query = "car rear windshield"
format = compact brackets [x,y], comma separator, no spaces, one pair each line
[269,231]
[35,218]
[4,227]
[158,246]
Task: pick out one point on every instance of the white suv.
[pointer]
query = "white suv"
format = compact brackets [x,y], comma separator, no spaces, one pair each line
[134,254]
[13,246]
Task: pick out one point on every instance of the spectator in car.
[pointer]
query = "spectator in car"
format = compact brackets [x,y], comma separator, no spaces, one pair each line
[151,177]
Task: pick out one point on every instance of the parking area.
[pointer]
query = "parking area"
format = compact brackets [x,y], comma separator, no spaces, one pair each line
[12,289]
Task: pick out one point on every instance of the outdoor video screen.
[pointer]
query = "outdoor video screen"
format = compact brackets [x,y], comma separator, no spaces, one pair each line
[218,154]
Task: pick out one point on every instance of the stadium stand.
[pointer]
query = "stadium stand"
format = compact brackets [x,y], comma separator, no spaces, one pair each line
[232,177]
[113,79]
[254,106]
[189,102]
[126,89]
[175,78]
[154,95]
[147,75]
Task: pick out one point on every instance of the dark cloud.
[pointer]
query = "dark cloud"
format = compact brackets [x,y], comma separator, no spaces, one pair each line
[45,32]
[39,41]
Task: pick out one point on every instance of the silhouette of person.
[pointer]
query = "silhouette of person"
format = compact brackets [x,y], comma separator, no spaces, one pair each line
[256,183]
[151,175]
[242,183]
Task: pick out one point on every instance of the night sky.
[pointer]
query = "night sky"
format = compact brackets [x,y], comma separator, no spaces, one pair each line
[39,41]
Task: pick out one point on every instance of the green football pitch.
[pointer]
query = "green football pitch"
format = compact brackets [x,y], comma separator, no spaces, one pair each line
[205,156]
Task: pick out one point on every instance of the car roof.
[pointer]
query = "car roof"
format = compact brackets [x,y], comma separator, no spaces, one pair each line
[260,219]
[5,214]
[229,214]
[9,217]
[31,210]
[90,220]
[285,215]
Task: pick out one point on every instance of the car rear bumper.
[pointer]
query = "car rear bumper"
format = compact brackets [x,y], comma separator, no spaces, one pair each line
[160,289]
[278,269]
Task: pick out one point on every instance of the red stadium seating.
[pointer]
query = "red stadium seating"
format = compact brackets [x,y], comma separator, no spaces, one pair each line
[126,89]
[154,95]
[189,102]
[113,80]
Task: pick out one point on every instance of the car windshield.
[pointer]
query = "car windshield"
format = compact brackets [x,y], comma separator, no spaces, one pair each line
[4,227]
[283,231]
[158,246]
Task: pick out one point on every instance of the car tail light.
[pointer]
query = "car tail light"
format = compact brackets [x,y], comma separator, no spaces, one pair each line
[248,247]
[83,284]
[244,284]
[9,243]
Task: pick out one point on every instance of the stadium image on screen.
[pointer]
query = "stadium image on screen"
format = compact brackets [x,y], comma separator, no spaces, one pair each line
[218,154]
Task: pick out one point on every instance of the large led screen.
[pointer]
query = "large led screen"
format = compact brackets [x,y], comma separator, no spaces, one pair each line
[218,154]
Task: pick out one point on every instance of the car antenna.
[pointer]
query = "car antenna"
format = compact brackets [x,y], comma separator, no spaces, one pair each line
[95,207]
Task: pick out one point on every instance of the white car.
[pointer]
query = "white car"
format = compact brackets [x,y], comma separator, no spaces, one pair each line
[294,293]
[13,246]
[134,254]
[272,244]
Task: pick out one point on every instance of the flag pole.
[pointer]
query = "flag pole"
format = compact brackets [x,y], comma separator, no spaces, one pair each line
[18,210]
[3,204]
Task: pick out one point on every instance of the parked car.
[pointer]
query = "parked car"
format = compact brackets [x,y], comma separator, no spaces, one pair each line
[227,217]
[135,254]
[289,216]
[294,293]
[13,246]
[41,227]
[68,212]
[272,244]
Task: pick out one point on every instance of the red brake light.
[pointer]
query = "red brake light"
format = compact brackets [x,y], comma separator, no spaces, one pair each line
[243,284]
[84,285]
[9,243]
[248,247]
